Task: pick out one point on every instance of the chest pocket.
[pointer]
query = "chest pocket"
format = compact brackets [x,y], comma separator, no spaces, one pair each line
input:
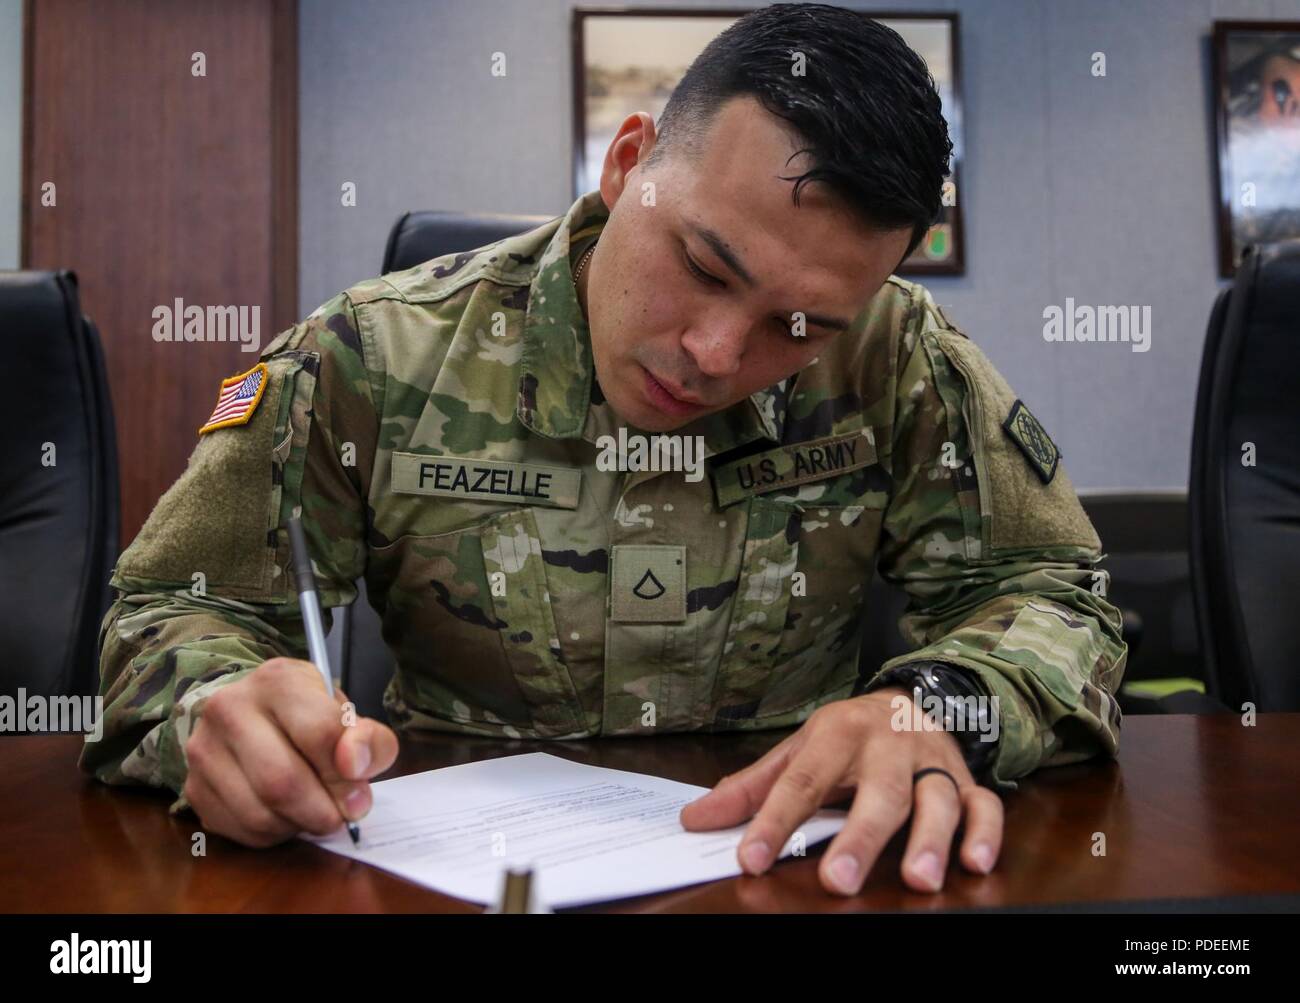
[793,638]
[468,616]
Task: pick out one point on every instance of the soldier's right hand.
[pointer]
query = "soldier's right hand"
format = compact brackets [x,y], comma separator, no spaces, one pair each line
[271,757]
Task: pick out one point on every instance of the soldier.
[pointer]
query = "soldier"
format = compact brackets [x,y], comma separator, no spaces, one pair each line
[447,431]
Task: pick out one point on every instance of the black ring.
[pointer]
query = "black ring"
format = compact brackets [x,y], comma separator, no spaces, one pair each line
[937,769]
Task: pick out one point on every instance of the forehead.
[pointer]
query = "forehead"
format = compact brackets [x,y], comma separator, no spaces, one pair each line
[734,188]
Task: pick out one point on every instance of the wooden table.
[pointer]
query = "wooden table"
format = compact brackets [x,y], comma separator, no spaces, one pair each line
[1195,807]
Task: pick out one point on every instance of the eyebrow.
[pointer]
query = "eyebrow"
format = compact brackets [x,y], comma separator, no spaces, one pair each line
[729,258]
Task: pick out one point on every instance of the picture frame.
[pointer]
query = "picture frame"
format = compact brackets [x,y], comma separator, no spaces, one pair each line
[1256,84]
[629,59]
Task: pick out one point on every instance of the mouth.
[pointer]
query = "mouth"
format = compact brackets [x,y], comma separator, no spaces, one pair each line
[666,399]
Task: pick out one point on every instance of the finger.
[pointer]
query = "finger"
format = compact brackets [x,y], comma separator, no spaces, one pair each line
[213,815]
[217,814]
[737,796]
[798,792]
[881,806]
[936,812]
[278,775]
[364,750]
[312,721]
[984,825]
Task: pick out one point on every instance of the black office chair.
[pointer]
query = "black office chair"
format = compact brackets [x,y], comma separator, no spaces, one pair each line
[365,661]
[1144,537]
[58,488]
[1245,485]
[419,236]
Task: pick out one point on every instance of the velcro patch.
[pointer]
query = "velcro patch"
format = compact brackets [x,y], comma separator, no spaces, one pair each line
[487,480]
[1028,433]
[788,466]
[648,583]
[237,399]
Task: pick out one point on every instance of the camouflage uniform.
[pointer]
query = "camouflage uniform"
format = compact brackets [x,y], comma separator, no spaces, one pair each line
[518,614]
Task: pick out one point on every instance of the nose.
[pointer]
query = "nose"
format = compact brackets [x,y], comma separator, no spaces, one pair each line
[717,344]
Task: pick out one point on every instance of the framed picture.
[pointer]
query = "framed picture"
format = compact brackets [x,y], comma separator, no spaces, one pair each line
[626,61]
[1257,95]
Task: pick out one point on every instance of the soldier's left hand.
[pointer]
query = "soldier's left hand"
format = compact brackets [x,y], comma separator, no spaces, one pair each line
[849,748]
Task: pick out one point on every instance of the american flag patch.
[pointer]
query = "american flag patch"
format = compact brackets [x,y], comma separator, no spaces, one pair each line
[238,399]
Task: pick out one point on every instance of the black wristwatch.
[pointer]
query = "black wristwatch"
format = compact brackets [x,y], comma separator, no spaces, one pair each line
[950,686]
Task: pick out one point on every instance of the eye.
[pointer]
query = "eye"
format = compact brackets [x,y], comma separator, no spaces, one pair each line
[699,273]
[785,328]
[811,333]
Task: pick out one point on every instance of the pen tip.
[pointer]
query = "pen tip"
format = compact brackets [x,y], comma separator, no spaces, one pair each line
[354,831]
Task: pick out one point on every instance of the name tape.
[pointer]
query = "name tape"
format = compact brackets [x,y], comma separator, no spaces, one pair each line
[486,480]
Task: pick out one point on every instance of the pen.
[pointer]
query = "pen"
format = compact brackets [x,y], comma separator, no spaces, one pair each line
[516,891]
[311,620]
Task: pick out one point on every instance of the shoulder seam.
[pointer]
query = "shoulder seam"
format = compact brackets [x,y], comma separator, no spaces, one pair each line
[476,273]
[376,392]
[374,295]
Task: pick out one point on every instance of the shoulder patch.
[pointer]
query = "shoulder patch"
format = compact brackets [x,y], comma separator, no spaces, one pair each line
[237,399]
[1028,433]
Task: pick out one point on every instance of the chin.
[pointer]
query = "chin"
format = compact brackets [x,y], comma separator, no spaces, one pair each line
[666,424]
[637,414]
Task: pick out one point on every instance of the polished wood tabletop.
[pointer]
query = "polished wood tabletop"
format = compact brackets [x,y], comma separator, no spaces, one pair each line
[1195,807]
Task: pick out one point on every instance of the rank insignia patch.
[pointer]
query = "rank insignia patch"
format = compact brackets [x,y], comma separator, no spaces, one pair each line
[238,399]
[1027,432]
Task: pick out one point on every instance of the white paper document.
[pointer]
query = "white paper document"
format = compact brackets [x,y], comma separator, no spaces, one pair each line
[589,833]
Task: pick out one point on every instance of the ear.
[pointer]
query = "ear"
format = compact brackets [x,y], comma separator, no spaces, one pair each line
[629,149]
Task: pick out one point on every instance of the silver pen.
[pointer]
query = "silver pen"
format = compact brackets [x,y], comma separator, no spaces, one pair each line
[311,620]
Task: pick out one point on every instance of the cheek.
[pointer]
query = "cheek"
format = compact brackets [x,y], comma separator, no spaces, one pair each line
[662,315]
[650,309]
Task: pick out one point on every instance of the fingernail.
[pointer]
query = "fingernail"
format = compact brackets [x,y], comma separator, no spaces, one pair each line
[844,873]
[355,801]
[754,857]
[927,869]
[360,762]
[983,857]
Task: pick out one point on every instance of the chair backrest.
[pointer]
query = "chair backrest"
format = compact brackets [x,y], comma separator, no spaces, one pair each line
[1144,537]
[367,663]
[58,488]
[1244,491]
[419,236]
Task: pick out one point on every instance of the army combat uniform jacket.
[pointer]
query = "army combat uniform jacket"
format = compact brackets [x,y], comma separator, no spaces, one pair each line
[440,431]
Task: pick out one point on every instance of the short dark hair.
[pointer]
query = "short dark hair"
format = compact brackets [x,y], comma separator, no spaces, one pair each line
[866,107]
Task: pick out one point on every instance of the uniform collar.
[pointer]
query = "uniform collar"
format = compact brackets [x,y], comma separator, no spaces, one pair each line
[556,372]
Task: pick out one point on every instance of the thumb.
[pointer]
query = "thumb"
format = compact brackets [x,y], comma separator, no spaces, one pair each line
[365,750]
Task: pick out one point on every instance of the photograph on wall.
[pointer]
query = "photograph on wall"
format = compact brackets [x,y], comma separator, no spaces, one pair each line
[1257,74]
[630,61]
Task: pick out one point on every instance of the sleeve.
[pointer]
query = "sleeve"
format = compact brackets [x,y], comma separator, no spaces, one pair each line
[203,593]
[1000,563]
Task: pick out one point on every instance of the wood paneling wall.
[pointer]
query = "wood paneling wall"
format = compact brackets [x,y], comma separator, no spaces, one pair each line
[168,186]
